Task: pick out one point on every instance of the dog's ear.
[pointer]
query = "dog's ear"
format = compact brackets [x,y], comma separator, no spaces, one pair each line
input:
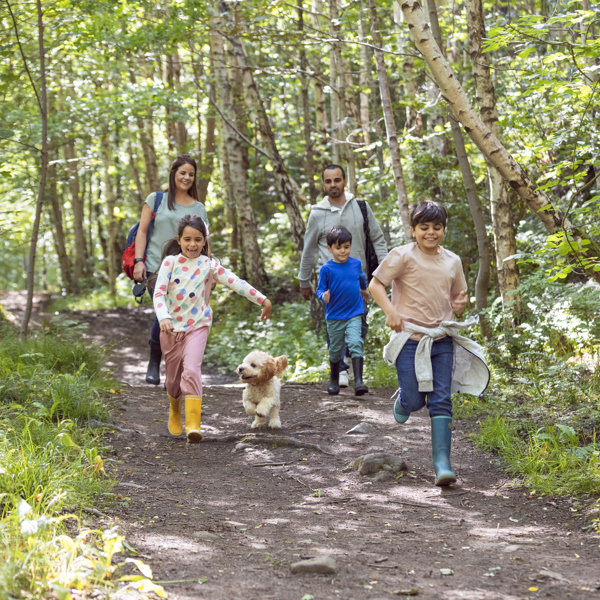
[267,372]
[281,363]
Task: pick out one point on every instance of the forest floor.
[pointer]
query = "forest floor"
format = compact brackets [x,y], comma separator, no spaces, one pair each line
[218,522]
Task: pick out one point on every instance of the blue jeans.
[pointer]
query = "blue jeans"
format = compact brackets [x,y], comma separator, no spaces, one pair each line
[364,328]
[155,331]
[439,402]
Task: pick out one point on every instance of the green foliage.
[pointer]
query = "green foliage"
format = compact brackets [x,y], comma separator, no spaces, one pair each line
[549,460]
[237,331]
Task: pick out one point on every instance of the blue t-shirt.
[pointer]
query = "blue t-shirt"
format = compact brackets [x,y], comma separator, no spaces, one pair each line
[344,281]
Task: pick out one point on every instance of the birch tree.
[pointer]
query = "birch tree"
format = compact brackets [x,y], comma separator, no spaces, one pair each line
[585,249]
[390,125]
[500,206]
[255,271]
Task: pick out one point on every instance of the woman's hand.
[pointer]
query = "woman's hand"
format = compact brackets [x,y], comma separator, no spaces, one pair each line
[326,297]
[166,325]
[266,310]
[139,271]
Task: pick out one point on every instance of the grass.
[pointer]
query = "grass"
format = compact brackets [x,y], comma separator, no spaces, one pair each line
[51,466]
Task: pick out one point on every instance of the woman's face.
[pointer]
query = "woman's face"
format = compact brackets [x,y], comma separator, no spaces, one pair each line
[184,177]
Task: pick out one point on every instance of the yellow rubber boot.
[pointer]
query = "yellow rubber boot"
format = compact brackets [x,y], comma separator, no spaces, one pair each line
[175,425]
[193,412]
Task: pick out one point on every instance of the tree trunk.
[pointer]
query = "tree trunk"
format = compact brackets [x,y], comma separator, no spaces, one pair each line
[488,143]
[77,204]
[345,150]
[320,105]
[483,246]
[43,106]
[501,209]
[364,78]
[59,233]
[390,125]
[309,162]
[247,220]
[135,174]
[111,203]
[147,143]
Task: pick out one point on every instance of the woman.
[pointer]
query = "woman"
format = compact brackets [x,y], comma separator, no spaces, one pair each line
[180,199]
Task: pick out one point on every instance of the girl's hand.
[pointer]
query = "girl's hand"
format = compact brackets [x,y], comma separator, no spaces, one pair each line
[266,310]
[166,325]
[139,271]
[326,297]
[365,294]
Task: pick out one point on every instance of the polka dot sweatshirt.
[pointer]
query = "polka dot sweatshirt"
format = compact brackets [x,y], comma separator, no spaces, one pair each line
[180,290]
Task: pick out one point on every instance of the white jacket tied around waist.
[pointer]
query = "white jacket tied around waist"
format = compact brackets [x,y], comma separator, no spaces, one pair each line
[470,374]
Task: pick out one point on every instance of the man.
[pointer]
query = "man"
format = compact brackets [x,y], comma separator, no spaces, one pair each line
[338,208]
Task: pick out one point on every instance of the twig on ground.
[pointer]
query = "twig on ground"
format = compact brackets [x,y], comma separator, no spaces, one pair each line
[259,438]
[94,424]
[410,504]
[270,464]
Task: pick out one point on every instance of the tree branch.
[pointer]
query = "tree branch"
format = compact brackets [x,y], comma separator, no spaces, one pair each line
[23,53]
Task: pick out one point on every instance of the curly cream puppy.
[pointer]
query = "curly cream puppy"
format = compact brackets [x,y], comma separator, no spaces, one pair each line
[259,372]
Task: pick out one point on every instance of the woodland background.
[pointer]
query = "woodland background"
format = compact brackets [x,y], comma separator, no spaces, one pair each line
[501,126]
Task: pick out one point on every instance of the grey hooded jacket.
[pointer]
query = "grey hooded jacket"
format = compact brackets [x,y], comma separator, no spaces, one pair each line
[321,219]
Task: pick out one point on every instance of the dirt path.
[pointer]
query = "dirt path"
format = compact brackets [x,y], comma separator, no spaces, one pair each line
[234,519]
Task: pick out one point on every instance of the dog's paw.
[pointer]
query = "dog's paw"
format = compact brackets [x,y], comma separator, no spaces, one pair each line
[257,423]
[274,424]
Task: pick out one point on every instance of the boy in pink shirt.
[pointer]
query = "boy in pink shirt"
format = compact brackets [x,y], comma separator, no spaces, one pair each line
[428,287]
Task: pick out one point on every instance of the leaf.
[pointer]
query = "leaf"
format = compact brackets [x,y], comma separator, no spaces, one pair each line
[513,520]
[308,597]
[62,593]
[446,571]
[142,566]
[145,585]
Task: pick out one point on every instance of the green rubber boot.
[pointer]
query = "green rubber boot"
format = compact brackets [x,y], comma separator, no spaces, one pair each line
[441,441]
[400,414]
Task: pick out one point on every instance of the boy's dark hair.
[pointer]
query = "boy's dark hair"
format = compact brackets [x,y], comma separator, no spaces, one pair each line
[331,168]
[338,234]
[428,211]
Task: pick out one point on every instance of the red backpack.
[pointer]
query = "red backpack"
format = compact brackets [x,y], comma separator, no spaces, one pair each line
[129,250]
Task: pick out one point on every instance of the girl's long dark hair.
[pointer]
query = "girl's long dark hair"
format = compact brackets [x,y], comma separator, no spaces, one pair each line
[184,159]
[172,247]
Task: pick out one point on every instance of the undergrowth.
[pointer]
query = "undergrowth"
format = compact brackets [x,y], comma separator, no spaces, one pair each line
[51,466]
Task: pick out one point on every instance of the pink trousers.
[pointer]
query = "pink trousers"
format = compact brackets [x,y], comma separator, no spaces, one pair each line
[183,352]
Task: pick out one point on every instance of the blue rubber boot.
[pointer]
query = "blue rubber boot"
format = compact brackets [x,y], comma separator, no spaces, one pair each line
[441,441]
[400,414]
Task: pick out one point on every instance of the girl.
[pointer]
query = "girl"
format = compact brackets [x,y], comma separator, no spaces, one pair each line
[181,298]
[179,199]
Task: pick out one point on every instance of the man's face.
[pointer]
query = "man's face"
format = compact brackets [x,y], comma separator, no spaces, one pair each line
[333,183]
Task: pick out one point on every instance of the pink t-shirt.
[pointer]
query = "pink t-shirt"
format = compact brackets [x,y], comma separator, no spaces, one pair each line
[423,285]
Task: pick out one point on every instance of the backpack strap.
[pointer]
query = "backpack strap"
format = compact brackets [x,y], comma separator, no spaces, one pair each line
[363,209]
[158,198]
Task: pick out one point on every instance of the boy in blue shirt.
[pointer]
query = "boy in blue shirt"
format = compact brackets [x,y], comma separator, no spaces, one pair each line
[342,287]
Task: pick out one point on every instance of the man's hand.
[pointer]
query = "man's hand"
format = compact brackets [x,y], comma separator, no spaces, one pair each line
[266,310]
[326,297]
[394,321]
[460,303]
[166,325]
[365,295]
[306,292]
[139,271]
